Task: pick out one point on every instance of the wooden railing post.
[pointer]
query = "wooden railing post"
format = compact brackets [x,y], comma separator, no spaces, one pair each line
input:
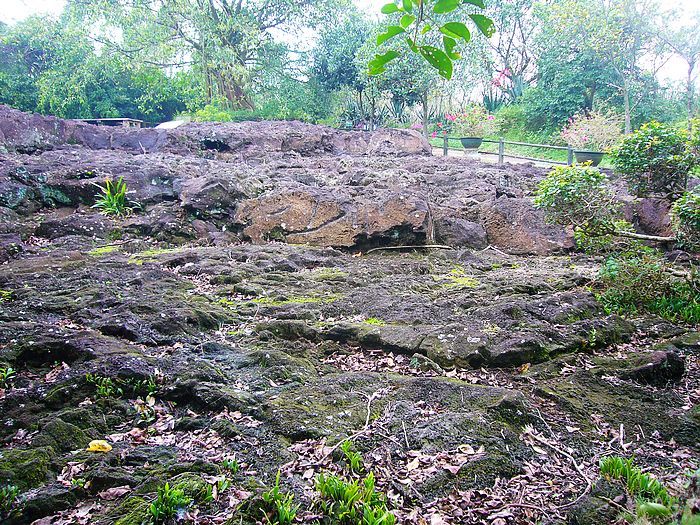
[501,151]
[444,145]
[569,156]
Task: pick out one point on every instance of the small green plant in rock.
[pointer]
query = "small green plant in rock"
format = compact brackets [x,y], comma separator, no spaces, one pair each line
[652,497]
[344,502]
[352,457]
[78,482]
[8,500]
[643,280]
[104,386]
[5,295]
[112,198]
[6,376]
[230,465]
[280,507]
[167,503]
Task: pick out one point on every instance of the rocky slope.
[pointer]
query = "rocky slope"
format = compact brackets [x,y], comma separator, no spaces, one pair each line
[240,313]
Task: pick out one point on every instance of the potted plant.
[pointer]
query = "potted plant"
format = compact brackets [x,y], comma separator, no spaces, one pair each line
[473,125]
[592,135]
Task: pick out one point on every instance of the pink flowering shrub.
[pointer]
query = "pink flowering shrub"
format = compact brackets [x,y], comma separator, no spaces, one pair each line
[474,121]
[594,131]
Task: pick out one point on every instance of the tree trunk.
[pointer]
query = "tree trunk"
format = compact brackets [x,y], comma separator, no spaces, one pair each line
[628,111]
[641,236]
[424,102]
[690,93]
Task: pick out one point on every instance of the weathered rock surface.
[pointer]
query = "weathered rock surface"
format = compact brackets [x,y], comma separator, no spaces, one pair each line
[275,181]
[466,379]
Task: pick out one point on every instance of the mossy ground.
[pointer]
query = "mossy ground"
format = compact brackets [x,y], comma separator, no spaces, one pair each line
[262,355]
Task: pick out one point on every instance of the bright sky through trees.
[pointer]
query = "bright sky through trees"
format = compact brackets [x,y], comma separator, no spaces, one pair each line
[14,10]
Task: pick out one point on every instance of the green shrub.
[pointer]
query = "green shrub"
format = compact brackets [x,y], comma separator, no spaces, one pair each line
[167,503]
[641,281]
[112,199]
[655,160]
[685,219]
[580,196]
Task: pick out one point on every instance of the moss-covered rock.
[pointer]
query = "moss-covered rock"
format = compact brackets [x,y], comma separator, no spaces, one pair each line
[25,468]
[49,500]
[133,511]
[61,436]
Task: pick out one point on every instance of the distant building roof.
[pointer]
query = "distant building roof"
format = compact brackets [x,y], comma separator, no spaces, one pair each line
[126,122]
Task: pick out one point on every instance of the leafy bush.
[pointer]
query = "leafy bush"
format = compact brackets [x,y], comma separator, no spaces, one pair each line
[656,159]
[580,196]
[642,280]
[355,502]
[594,131]
[112,199]
[685,219]
[167,503]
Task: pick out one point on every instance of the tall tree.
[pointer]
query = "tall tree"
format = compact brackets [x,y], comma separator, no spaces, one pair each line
[684,42]
[225,40]
[617,32]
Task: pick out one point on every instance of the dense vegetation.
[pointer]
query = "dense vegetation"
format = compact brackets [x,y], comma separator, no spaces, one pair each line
[545,63]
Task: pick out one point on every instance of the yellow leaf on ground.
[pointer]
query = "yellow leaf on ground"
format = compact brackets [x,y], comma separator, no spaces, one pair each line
[99,445]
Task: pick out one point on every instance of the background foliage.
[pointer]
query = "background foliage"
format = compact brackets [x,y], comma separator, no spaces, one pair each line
[308,60]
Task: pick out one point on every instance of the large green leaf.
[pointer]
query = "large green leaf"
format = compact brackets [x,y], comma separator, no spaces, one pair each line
[484,23]
[456,30]
[445,6]
[450,44]
[378,64]
[390,8]
[390,32]
[406,20]
[408,6]
[477,3]
[438,59]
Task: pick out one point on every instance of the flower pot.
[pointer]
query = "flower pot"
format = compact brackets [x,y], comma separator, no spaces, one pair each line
[594,157]
[471,142]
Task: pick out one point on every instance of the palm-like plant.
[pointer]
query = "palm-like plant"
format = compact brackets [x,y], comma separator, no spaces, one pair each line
[112,198]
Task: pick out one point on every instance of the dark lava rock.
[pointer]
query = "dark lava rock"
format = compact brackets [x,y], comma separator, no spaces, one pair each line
[657,368]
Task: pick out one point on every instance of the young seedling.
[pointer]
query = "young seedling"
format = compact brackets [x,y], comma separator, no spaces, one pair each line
[6,376]
[167,503]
